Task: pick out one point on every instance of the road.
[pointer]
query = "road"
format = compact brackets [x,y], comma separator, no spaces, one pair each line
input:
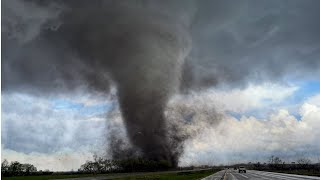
[257,175]
[216,176]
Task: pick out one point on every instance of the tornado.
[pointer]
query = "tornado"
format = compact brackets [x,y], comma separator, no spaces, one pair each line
[146,69]
[142,52]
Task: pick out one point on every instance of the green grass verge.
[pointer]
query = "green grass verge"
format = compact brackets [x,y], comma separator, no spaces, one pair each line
[57,176]
[173,176]
[156,175]
[46,177]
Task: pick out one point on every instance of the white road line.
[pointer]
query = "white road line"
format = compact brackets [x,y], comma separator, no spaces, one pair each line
[273,176]
[293,175]
[282,176]
[244,176]
[259,176]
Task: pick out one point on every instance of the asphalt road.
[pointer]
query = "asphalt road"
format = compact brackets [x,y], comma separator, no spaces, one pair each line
[216,176]
[257,175]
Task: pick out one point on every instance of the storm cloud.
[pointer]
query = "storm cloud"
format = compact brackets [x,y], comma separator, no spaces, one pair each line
[233,43]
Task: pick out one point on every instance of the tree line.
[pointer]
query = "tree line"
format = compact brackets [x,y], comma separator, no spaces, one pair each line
[101,165]
[98,165]
[16,168]
[276,164]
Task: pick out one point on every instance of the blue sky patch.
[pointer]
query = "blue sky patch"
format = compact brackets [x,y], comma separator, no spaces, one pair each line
[63,104]
[306,90]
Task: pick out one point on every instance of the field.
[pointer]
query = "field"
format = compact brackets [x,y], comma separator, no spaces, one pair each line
[173,176]
[125,176]
[46,177]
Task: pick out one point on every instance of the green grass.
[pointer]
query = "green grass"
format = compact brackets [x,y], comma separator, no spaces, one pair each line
[46,177]
[156,175]
[174,176]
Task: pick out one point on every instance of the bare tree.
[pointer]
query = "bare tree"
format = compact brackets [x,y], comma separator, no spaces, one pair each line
[304,163]
[275,160]
[304,160]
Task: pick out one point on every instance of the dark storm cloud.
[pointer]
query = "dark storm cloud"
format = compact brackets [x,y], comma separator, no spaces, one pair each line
[254,42]
[232,42]
[148,49]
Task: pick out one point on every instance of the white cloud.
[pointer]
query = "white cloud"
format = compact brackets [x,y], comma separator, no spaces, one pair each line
[252,97]
[30,125]
[315,100]
[252,139]
[85,98]
[56,161]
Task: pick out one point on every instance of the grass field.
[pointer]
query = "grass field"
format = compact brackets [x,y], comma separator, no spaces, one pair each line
[174,176]
[156,175]
[43,177]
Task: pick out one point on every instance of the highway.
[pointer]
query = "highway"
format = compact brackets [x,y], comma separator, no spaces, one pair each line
[256,175]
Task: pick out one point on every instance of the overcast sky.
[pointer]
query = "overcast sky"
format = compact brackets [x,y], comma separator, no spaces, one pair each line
[257,65]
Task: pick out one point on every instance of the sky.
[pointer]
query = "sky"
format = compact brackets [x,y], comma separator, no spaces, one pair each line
[249,85]
[61,133]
